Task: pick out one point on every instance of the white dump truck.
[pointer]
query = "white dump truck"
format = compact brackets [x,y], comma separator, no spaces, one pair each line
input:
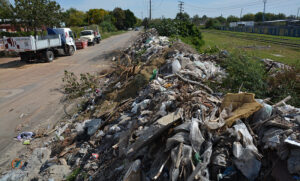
[92,34]
[59,41]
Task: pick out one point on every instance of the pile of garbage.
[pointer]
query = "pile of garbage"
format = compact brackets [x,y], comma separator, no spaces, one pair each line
[156,118]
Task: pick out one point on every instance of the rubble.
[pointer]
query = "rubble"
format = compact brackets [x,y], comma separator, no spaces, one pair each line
[169,124]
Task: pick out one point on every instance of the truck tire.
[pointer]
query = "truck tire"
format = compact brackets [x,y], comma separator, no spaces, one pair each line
[71,51]
[24,57]
[49,56]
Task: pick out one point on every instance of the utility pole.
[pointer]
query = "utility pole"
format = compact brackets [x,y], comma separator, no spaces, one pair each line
[241,14]
[265,2]
[180,5]
[298,13]
[150,11]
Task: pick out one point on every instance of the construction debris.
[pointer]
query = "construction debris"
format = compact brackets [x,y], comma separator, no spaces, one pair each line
[169,124]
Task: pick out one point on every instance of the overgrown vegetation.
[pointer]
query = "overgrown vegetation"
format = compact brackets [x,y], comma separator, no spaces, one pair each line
[245,74]
[248,74]
[74,87]
[180,27]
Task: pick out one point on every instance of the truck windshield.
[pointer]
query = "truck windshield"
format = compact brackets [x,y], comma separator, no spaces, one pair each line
[83,33]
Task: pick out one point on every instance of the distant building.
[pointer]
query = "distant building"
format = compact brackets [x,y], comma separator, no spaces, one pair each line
[241,24]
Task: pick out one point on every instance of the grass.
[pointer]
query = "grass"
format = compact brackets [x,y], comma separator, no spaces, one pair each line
[109,34]
[253,48]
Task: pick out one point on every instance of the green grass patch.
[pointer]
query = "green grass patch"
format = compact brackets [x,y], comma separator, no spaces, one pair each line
[252,48]
[109,34]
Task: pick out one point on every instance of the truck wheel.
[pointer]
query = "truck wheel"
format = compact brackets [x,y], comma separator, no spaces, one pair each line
[49,56]
[24,57]
[71,51]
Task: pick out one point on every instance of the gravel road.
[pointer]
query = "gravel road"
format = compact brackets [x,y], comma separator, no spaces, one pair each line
[28,92]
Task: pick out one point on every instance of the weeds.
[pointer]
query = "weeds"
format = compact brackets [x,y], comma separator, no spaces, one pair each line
[74,88]
[244,73]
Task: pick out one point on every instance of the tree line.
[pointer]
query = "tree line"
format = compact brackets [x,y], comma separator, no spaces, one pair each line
[222,21]
[33,15]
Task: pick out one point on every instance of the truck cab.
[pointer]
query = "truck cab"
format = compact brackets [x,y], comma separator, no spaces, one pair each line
[92,34]
[67,37]
[89,36]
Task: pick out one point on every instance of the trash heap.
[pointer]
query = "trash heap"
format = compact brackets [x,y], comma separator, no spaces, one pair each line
[156,118]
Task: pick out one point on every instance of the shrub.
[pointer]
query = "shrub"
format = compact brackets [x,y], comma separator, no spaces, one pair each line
[245,73]
[107,26]
[74,88]
[283,84]
[212,24]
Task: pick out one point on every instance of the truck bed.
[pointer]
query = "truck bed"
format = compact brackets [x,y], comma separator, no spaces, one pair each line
[31,43]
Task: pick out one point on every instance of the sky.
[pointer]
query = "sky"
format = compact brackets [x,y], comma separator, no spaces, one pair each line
[169,8]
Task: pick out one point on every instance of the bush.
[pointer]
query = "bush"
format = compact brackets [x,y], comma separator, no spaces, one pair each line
[283,84]
[185,30]
[245,73]
[212,24]
[107,26]
[74,88]
[164,27]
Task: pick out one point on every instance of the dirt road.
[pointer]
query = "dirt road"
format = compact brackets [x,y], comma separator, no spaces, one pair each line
[28,95]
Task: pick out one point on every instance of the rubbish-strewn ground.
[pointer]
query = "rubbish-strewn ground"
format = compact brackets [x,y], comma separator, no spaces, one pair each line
[29,99]
[154,118]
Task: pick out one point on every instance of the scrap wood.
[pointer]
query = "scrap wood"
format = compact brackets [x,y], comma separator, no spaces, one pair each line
[162,125]
[197,83]
[258,124]
[282,101]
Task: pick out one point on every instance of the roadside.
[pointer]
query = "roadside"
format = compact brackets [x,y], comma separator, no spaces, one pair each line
[254,48]
[29,96]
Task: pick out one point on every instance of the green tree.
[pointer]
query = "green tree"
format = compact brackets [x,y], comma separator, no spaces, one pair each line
[6,10]
[73,17]
[35,14]
[258,17]
[248,17]
[96,16]
[183,17]
[212,23]
[118,18]
[196,20]
[130,19]
[221,19]
[232,18]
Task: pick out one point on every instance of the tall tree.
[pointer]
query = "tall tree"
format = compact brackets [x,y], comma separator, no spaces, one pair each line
[130,19]
[6,11]
[35,14]
[96,16]
[183,16]
[232,18]
[248,17]
[74,17]
[196,20]
[119,17]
